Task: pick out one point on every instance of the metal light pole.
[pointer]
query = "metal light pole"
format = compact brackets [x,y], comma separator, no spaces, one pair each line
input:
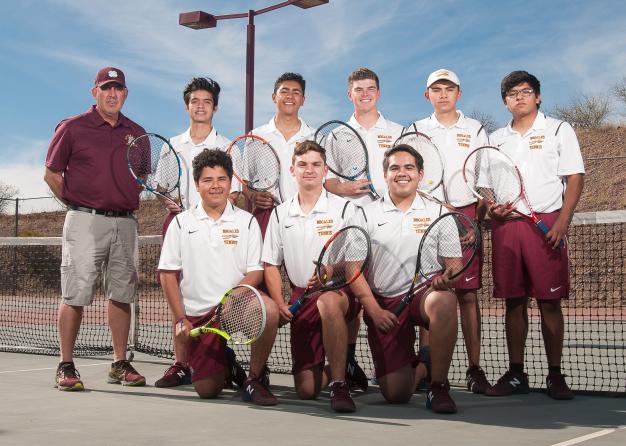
[201,20]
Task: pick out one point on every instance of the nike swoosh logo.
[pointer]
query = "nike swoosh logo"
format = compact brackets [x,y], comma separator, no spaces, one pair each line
[467,279]
[287,227]
[191,232]
[380,224]
[552,290]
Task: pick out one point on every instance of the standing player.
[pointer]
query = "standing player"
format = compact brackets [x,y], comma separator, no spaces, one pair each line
[283,132]
[395,224]
[525,262]
[296,235]
[379,135]
[456,136]
[86,169]
[217,246]
[201,97]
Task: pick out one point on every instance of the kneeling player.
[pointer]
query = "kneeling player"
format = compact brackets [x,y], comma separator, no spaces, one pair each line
[217,246]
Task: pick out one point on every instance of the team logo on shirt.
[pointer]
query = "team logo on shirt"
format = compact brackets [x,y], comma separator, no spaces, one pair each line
[536,142]
[324,226]
[230,236]
[420,224]
[463,140]
[384,141]
[128,139]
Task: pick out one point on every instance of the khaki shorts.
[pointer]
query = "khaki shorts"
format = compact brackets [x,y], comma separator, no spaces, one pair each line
[94,244]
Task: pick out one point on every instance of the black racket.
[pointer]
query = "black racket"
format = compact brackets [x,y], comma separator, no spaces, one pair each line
[344,257]
[155,165]
[446,249]
[346,152]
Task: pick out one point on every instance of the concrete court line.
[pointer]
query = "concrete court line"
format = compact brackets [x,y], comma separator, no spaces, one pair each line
[52,368]
[591,436]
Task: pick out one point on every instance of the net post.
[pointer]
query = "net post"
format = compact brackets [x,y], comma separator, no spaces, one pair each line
[17,210]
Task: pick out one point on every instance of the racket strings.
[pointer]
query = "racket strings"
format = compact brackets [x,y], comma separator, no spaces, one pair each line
[344,258]
[255,163]
[345,154]
[153,160]
[242,315]
[448,246]
[493,176]
[433,163]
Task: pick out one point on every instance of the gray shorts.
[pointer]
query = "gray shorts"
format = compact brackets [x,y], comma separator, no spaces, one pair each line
[94,244]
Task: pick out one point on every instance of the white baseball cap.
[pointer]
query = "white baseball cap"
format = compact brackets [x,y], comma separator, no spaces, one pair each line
[443,75]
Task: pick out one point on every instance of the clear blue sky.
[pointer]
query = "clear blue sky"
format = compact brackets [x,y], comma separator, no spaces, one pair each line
[51,50]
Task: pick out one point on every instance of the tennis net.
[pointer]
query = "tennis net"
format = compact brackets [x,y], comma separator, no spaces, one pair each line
[594,346]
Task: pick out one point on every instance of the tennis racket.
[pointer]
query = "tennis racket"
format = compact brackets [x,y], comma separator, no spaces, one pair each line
[492,175]
[433,163]
[346,152]
[239,317]
[444,250]
[256,164]
[344,257]
[155,166]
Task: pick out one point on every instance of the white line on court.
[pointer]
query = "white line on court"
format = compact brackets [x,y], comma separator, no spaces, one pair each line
[591,436]
[53,368]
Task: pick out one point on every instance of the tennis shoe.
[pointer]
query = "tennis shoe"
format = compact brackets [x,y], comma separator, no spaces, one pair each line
[237,375]
[476,380]
[557,388]
[423,357]
[122,372]
[510,383]
[355,376]
[176,375]
[68,378]
[438,398]
[254,391]
[340,399]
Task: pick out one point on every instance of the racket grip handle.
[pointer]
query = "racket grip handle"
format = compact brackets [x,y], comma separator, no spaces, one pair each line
[544,228]
[295,307]
[195,332]
[401,305]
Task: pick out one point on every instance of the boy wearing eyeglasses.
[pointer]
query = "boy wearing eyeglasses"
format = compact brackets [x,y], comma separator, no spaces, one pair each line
[527,263]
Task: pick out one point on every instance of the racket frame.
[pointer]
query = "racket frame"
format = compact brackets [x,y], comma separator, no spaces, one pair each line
[415,288]
[440,183]
[366,169]
[295,307]
[142,182]
[210,327]
[276,185]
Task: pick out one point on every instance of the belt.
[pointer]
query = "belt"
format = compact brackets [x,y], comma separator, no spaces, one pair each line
[74,207]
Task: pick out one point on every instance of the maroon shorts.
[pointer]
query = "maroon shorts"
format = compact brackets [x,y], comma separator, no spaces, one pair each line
[206,353]
[307,343]
[396,349]
[524,265]
[263,217]
[471,279]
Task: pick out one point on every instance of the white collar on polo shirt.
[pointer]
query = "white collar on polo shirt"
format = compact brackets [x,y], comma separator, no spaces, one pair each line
[271,126]
[208,141]
[388,206]
[461,123]
[321,206]
[227,215]
[539,123]
[381,122]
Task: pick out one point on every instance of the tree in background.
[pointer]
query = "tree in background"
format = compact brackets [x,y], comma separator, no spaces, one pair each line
[7,192]
[586,111]
[485,119]
[619,89]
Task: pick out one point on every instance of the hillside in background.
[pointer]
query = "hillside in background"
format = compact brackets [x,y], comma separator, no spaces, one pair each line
[605,189]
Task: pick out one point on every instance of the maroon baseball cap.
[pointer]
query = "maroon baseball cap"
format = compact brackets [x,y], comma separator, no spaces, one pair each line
[110,74]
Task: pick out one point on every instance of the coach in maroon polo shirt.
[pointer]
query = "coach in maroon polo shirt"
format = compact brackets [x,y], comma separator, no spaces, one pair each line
[86,168]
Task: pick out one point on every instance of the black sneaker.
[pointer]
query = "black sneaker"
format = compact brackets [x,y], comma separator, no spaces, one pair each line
[508,384]
[236,374]
[476,380]
[557,388]
[355,376]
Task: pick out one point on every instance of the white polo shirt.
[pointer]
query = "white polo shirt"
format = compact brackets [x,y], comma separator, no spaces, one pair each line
[378,139]
[187,151]
[545,154]
[284,149]
[395,237]
[454,144]
[298,238]
[213,255]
